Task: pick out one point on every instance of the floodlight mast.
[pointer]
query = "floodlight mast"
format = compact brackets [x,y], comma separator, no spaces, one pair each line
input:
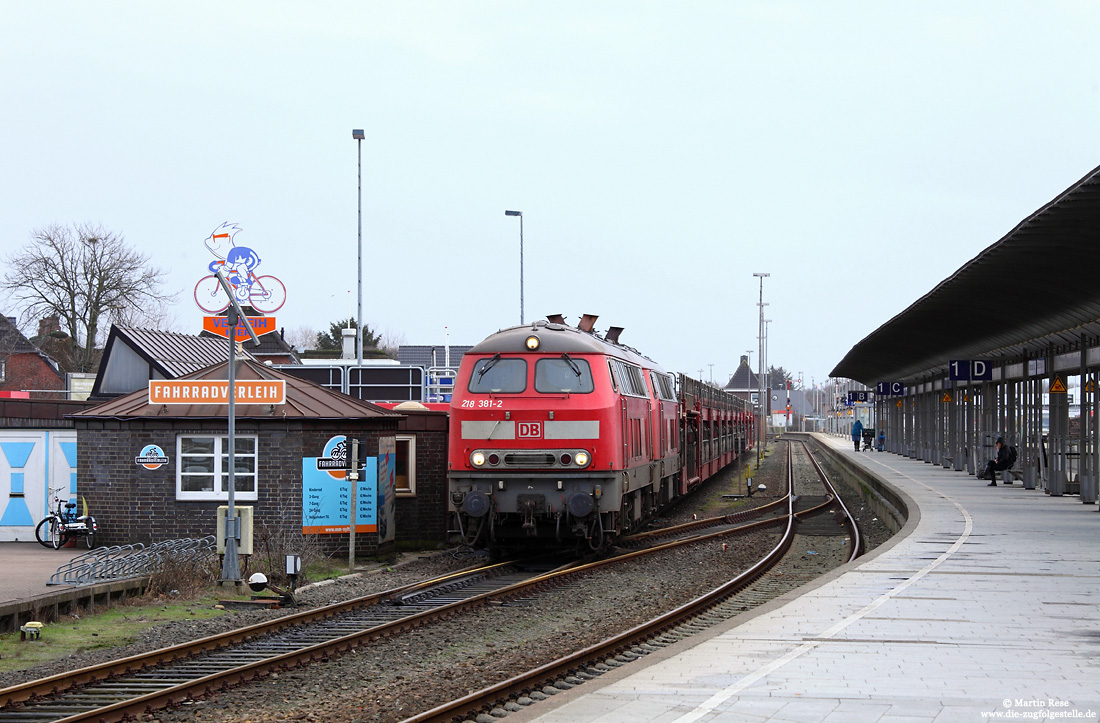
[358,134]
[761,435]
[520,215]
[231,567]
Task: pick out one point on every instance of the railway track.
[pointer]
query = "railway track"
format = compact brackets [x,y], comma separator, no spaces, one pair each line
[767,579]
[125,688]
[133,687]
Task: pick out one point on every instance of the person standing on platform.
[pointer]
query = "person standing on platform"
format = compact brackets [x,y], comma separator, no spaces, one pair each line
[857,433]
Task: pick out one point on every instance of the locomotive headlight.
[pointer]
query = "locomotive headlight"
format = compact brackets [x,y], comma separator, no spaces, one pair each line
[581,458]
[477,459]
[532,343]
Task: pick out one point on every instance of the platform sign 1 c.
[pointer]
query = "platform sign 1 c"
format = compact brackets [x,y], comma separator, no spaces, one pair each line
[890,389]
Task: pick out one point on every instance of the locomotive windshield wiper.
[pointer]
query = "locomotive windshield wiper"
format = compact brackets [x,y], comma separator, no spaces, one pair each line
[572,364]
[488,365]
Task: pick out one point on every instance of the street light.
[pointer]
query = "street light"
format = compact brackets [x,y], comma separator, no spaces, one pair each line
[358,135]
[761,436]
[520,214]
[767,367]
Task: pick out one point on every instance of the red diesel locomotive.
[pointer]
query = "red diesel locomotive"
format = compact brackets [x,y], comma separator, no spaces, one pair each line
[559,434]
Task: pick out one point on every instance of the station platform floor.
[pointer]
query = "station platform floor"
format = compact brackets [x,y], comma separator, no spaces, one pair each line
[986,606]
[26,567]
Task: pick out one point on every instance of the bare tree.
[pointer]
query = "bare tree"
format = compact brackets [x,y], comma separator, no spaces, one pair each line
[88,276]
[390,341]
[302,337]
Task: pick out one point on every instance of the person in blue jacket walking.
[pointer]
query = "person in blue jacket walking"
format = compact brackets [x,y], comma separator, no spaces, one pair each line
[857,433]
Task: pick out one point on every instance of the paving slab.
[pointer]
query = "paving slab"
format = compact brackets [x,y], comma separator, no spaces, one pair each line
[985,607]
[25,568]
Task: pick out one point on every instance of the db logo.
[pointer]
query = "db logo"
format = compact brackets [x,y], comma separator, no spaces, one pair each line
[529,430]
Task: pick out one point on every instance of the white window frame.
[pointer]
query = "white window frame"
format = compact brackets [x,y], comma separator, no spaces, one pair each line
[630,378]
[218,494]
[409,491]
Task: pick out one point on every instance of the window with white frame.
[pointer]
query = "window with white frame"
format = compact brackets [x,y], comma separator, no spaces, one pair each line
[202,467]
[405,465]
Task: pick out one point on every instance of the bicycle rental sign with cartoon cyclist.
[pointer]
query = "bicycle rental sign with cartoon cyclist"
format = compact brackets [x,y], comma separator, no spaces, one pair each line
[238,264]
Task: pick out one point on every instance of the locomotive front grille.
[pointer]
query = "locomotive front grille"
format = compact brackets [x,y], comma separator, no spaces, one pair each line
[528,459]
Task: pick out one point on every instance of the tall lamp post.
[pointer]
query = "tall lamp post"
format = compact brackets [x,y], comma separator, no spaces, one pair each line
[520,214]
[358,135]
[767,374]
[760,367]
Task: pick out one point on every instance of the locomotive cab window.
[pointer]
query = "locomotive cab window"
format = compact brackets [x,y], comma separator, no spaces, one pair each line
[498,375]
[564,374]
[628,379]
[662,384]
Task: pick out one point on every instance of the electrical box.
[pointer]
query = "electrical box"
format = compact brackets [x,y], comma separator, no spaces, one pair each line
[244,529]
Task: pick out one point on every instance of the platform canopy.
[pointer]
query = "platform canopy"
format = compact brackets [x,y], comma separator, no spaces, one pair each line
[1034,290]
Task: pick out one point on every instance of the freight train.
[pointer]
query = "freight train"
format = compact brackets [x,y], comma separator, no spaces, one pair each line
[560,435]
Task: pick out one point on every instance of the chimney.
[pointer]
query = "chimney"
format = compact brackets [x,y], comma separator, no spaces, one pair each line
[556,319]
[347,350]
[612,334]
[744,360]
[50,323]
[588,322]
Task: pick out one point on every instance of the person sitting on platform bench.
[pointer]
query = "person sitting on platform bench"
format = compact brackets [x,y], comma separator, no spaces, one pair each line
[1000,461]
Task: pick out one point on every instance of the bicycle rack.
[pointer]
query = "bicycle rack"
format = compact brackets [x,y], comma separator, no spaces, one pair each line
[104,564]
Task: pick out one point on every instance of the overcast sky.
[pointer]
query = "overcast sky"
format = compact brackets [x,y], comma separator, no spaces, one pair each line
[661,152]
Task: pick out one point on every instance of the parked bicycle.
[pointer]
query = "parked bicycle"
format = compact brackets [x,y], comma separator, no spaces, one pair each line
[64,524]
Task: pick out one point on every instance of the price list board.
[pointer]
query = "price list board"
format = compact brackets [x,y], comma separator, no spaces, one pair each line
[326,501]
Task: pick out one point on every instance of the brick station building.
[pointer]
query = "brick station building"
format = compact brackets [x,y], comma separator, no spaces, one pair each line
[275,443]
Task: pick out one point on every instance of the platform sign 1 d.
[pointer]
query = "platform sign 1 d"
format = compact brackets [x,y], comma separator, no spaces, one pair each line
[978,370]
[890,389]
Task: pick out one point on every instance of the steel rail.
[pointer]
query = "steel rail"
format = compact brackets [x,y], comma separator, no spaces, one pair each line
[56,684]
[470,706]
[729,519]
[849,520]
[480,701]
[174,694]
